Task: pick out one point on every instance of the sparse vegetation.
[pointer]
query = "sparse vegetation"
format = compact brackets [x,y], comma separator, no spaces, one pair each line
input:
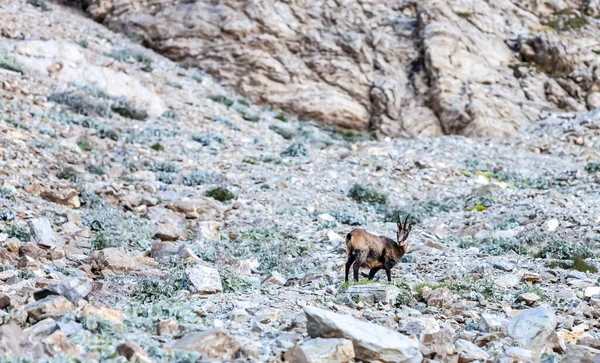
[14,230]
[224,100]
[592,168]
[157,146]
[10,65]
[94,169]
[200,177]
[80,103]
[68,173]
[85,145]
[128,111]
[130,55]
[349,218]
[365,194]
[295,150]
[221,194]
[40,4]
[175,85]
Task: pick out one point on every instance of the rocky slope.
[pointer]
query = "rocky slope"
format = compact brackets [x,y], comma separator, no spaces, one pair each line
[149,213]
[404,68]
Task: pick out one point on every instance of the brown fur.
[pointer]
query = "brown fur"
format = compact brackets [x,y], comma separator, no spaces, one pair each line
[375,252]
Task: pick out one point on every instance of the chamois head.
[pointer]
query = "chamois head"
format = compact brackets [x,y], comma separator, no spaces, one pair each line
[403,231]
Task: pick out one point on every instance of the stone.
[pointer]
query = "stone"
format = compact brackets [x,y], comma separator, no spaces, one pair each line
[7,274]
[239,315]
[524,327]
[167,327]
[274,278]
[161,250]
[213,343]
[209,229]
[374,293]
[440,297]
[469,352]
[203,280]
[107,313]
[503,265]
[439,345]
[371,342]
[529,298]
[66,197]
[57,343]
[507,280]
[132,352]
[324,217]
[4,301]
[419,325]
[117,260]
[591,291]
[491,323]
[333,237]
[198,208]
[41,232]
[74,289]
[321,351]
[551,225]
[49,307]
[167,232]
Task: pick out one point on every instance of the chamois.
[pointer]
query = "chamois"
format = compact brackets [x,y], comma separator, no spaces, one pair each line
[376,252]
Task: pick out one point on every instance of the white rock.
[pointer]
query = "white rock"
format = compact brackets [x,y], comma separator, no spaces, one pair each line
[524,327]
[551,225]
[334,237]
[204,280]
[41,232]
[321,351]
[374,293]
[507,280]
[591,291]
[209,229]
[275,278]
[469,352]
[321,218]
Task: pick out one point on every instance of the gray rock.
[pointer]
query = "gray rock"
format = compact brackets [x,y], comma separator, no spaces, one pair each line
[321,351]
[212,343]
[524,327]
[491,323]
[50,307]
[41,232]
[419,325]
[503,265]
[168,232]
[529,298]
[374,293]
[275,278]
[469,352]
[371,342]
[507,280]
[74,289]
[204,280]
[440,297]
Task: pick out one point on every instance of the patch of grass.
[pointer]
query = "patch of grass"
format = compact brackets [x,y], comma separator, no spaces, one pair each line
[206,140]
[170,114]
[67,173]
[233,283]
[174,85]
[14,230]
[96,170]
[349,218]
[80,103]
[128,111]
[108,133]
[114,228]
[349,135]
[564,250]
[265,187]
[224,100]
[226,122]
[200,177]
[480,204]
[83,43]
[157,146]
[221,194]
[364,194]
[281,117]
[129,55]
[295,150]
[40,4]
[10,65]
[161,166]
[85,145]
[593,168]
[565,23]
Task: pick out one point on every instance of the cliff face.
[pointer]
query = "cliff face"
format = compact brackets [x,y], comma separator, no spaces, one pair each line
[406,68]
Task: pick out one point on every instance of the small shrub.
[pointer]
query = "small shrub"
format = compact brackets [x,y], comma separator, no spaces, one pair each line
[224,100]
[281,117]
[108,133]
[220,194]
[294,150]
[250,160]
[10,65]
[199,177]
[80,103]
[350,218]
[391,215]
[96,170]
[175,85]
[166,178]
[126,55]
[7,193]
[170,114]
[165,167]
[206,140]
[157,146]
[85,145]
[40,4]
[265,187]
[128,111]
[226,122]
[364,194]
[593,168]
[17,231]
[233,283]
[244,102]
[83,43]
[565,250]
[285,132]
[68,173]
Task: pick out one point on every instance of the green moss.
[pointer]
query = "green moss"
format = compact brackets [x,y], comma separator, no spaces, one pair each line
[67,173]
[220,194]
[85,145]
[281,117]
[364,194]
[224,100]
[157,146]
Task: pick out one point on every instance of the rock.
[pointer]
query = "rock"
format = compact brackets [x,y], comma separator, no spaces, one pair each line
[374,293]
[274,278]
[440,297]
[507,280]
[198,208]
[74,289]
[7,274]
[167,327]
[530,298]
[469,352]
[117,260]
[161,250]
[439,345]
[491,323]
[321,350]
[324,217]
[212,343]
[371,342]
[420,325]
[333,237]
[49,307]
[209,229]
[4,301]
[57,343]
[551,225]
[132,352]
[41,232]
[204,280]
[524,327]
[577,353]
[167,232]
[503,265]
[112,315]
[591,291]
[67,197]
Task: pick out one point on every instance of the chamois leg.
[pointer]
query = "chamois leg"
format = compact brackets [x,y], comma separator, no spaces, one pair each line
[361,258]
[373,272]
[388,270]
[351,258]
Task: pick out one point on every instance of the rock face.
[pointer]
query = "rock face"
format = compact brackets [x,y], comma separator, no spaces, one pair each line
[414,68]
[371,342]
